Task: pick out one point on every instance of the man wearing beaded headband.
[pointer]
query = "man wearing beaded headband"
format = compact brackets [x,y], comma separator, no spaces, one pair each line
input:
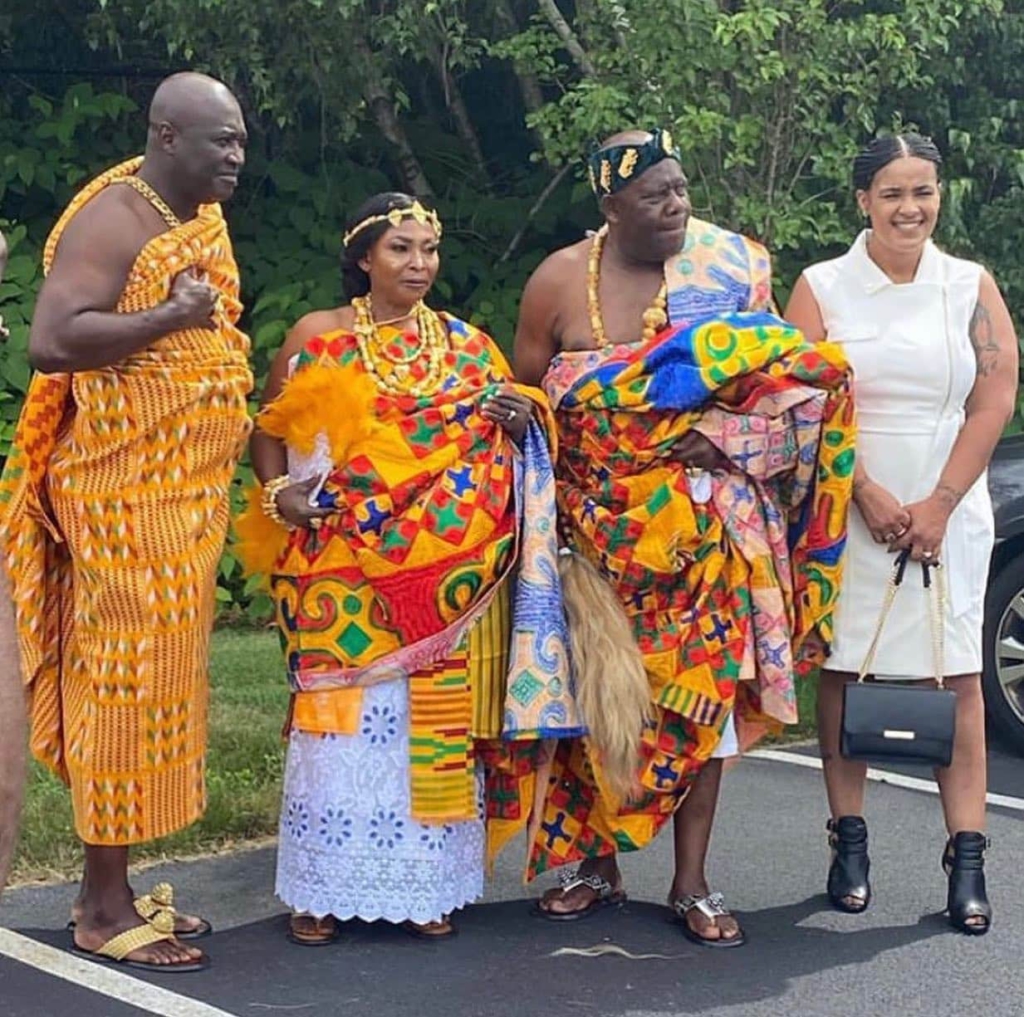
[115,503]
[653,345]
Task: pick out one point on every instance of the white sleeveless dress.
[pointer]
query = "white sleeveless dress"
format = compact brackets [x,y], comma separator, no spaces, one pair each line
[914,369]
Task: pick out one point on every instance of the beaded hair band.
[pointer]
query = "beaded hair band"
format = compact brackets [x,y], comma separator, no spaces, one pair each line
[612,168]
[395,217]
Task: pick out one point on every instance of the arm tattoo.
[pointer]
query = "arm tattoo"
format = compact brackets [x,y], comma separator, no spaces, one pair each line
[986,349]
[949,494]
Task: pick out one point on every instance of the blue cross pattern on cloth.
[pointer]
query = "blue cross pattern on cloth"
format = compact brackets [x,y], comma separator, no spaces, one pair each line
[773,653]
[742,458]
[721,628]
[375,518]
[555,830]
[462,480]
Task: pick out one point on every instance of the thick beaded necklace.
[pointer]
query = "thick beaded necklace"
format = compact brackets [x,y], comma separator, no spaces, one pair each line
[654,318]
[431,347]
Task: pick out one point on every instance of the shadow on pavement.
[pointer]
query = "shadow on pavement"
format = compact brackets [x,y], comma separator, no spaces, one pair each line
[504,962]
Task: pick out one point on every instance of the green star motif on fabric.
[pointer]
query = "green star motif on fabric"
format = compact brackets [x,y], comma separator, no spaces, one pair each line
[423,434]
[448,520]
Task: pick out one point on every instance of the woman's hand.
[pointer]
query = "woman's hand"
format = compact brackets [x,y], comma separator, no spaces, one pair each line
[928,521]
[293,504]
[510,409]
[884,516]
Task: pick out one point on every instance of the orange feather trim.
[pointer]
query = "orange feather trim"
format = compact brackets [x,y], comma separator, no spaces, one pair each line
[259,541]
[323,398]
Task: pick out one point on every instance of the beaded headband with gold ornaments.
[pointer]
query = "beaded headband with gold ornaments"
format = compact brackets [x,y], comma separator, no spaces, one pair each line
[612,168]
[395,217]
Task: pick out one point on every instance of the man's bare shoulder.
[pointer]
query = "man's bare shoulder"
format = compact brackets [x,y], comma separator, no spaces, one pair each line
[567,263]
[109,225]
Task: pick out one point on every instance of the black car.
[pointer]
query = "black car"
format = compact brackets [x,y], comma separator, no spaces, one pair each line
[1003,677]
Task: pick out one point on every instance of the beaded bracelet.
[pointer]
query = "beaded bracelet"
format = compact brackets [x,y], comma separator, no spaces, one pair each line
[268,500]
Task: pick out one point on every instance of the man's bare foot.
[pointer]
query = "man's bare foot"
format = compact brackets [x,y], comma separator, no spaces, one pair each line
[94,929]
[596,882]
[705,915]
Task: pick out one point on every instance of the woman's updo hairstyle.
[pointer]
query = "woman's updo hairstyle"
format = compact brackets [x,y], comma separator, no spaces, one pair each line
[882,151]
[354,281]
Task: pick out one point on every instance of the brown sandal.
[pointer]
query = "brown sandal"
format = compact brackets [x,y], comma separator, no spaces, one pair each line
[431,930]
[307,930]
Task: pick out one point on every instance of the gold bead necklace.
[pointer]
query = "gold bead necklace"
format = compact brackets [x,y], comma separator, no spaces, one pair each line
[433,344]
[140,185]
[654,318]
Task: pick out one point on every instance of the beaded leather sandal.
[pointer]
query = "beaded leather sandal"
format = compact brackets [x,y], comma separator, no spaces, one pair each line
[153,906]
[117,948]
[605,895]
[711,906]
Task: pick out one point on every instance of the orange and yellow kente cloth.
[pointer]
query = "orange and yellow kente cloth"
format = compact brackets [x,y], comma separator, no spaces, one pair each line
[406,580]
[114,508]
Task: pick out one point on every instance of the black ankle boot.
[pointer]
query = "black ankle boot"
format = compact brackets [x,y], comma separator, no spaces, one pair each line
[848,873]
[964,862]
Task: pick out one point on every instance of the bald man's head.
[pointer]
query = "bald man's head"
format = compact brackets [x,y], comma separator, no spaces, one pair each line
[197,135]
[631,137]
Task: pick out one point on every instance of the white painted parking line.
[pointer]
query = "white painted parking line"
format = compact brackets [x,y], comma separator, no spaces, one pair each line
[104,979]
[881,776]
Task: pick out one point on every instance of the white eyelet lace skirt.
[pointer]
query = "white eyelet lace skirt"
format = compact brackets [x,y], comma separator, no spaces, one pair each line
[348,846]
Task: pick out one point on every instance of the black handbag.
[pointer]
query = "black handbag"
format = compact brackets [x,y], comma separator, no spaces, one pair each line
[888,722]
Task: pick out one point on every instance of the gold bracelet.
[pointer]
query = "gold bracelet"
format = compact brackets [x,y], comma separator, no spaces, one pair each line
[268,500]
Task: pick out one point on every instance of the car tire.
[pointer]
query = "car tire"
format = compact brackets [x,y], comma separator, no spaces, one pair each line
[1004,705]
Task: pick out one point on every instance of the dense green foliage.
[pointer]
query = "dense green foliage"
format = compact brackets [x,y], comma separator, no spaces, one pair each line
[487,106]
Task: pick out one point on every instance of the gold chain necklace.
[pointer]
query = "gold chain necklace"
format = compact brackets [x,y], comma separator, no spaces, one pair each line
[654,318]
[140,185]
[398,381]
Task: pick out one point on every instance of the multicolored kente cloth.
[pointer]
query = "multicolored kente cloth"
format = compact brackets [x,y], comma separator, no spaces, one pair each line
[114,512]
[729,578]
[407,579]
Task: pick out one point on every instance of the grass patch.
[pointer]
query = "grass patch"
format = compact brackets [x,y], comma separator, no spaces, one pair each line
[248,700]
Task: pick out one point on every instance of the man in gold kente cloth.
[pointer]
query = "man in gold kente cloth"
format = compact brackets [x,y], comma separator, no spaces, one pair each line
[115,503]
[12,704]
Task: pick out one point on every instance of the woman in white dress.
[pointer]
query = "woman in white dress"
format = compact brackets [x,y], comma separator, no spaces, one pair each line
[935,365]
[381,419]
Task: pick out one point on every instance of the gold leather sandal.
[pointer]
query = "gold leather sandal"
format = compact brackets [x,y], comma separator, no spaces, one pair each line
[117,948]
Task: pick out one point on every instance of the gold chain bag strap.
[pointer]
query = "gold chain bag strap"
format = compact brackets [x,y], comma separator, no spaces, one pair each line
[902,722]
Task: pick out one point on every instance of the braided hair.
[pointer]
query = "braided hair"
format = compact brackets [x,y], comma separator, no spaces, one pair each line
[879,152]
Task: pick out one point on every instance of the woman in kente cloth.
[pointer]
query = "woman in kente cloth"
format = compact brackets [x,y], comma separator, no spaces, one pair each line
[402,478]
